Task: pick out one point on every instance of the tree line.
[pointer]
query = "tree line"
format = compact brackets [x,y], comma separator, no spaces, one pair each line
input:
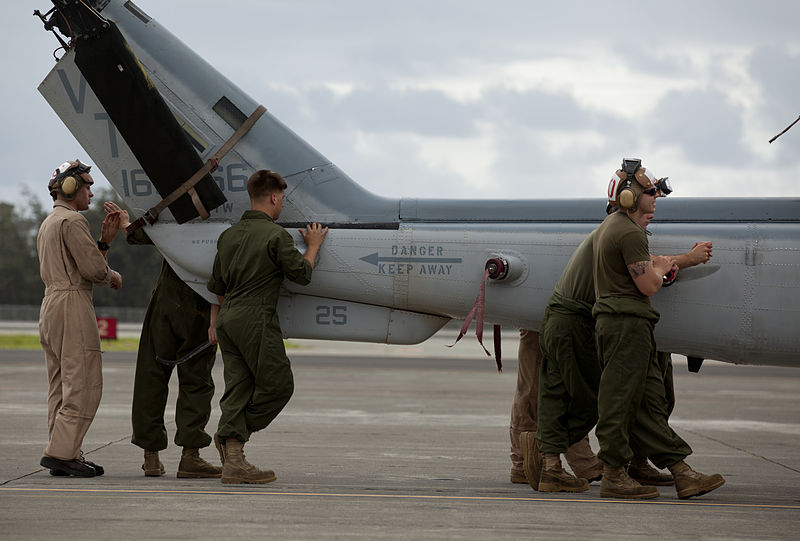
[20,282]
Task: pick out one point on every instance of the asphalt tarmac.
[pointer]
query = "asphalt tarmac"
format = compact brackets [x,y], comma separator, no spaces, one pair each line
[388,442]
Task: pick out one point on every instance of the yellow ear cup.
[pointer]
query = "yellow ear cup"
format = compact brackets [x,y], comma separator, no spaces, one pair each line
[69,185]
[627,198]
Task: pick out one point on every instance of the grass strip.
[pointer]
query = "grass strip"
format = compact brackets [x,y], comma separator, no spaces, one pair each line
[31,341]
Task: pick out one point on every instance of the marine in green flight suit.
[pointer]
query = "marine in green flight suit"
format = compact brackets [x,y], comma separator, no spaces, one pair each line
[570,373]
[253,257]
[633,401]
[176,322]
[625,323]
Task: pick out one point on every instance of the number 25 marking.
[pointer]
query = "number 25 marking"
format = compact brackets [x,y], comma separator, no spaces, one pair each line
[331,315]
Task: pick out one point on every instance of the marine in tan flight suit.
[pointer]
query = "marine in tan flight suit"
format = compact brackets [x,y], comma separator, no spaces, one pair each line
[71,262]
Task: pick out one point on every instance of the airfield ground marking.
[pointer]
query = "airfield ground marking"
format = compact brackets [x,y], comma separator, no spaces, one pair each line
[696,503]
[751,453]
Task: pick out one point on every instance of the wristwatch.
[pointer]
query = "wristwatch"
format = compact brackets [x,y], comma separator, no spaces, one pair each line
[103,246]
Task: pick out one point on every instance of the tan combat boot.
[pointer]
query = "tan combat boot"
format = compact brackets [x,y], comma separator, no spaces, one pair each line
[592,473]
[192,466]
[690,483]
[531,458]
[518,475]
[641,471]
[238,470]
[555,479]
[617,484]
[220,445]
[152,465]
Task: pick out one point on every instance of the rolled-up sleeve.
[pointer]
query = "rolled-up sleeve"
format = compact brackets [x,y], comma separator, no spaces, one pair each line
[216,284]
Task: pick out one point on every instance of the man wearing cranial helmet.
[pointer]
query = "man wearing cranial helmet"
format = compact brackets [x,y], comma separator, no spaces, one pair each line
[71,262]
[633,407]
[555,403]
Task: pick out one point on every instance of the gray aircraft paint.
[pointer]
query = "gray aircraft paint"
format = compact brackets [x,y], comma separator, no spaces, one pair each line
[377,280]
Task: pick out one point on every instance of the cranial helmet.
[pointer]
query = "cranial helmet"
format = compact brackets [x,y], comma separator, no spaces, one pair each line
[68,179]
[628,183]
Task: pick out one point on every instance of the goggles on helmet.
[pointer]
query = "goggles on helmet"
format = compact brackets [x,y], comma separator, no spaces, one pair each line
[77,165]
[664,186]
[76,168]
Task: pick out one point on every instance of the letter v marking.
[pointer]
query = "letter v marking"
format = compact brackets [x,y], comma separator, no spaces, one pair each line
[77,102]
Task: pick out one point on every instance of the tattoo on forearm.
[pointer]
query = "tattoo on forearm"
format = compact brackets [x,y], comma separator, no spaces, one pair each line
[638,269]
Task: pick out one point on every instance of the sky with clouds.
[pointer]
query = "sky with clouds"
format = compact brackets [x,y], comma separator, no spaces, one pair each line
[469,99]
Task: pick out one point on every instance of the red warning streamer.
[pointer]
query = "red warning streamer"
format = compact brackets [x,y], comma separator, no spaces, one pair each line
[491,270]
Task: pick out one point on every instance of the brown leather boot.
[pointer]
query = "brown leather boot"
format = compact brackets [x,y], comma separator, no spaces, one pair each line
[152,465]
[690,483]
[220,445]
[238,470]
[192,466]
[555,479]
[531,458]
[518,475]
[640,470]
[592,473]
[617,484]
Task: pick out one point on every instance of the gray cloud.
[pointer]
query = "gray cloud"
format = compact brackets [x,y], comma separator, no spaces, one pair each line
[661,63]
[777,73]
[704,124]
[427,113]
[537,110]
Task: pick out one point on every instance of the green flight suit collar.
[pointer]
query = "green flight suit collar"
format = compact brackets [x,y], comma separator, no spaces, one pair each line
[256,215]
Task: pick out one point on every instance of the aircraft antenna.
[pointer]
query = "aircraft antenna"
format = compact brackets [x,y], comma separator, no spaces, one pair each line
[784,131]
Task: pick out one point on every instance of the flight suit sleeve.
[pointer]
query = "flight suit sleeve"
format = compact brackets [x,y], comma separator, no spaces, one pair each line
[290,260]
[216,283]
[90,262]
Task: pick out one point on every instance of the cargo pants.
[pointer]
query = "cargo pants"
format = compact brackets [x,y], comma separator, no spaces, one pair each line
[633,403]
[258,375]
[569,379]
[176,322]
[525,410]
